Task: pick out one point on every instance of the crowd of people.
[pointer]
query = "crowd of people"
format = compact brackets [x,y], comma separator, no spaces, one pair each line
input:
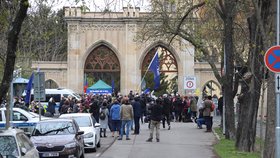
[123,113]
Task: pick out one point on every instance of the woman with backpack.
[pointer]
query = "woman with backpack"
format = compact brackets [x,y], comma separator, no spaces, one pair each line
[103,119]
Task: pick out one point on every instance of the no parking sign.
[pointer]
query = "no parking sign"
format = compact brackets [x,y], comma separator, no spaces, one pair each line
[189,82]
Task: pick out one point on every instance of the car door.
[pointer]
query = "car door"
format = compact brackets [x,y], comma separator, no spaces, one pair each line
[26,147]
[96,127]
[79,138]
[21,121]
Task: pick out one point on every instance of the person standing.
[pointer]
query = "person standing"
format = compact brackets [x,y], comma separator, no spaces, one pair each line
[103,119]
[94,109]
[51,106]
[156,116]
[207,113]
[126,117]
[137,110]
[115,117]
[166,111]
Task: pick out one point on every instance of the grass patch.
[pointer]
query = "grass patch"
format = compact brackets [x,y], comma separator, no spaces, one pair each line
[226,148]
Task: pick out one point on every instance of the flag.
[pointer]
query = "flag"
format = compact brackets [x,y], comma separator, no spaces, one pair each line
[28,89]
[154,67]
[146,91]
[85,84]
[113,85]
[143,85]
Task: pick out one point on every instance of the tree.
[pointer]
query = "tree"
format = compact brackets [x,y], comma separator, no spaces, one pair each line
[44,35]
[265,15]
[169,19]
[12,40]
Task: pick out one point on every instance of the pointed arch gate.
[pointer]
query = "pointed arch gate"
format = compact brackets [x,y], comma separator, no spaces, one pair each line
[168,69]
[103,64]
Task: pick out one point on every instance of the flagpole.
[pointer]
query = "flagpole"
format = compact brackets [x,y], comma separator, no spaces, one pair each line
[147,69]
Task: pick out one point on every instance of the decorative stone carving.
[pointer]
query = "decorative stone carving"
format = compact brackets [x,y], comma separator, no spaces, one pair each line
[73,27]
[102,27]
[131,27]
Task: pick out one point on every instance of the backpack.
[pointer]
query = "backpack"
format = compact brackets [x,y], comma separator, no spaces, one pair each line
[102,115]
[212,107]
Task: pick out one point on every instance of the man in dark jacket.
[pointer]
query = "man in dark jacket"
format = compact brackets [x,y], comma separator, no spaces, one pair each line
[156,116]
[166,111]
[137,110]
[94,109]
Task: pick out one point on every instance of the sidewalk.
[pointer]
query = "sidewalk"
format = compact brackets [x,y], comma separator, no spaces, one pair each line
[184,140]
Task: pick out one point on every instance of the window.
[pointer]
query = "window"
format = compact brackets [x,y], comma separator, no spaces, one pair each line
[17,116]
[24,142]
[1,116]
[8,146]
[56,97]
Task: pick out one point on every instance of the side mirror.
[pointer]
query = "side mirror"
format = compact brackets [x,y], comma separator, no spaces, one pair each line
[97,125]
[80,132]
[23,151]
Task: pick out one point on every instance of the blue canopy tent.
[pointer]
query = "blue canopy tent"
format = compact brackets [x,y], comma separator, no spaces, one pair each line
[100,87]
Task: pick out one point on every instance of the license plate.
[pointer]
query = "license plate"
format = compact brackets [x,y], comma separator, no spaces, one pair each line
[50,154]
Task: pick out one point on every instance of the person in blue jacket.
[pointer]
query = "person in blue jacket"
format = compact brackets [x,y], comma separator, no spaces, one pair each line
[115,117]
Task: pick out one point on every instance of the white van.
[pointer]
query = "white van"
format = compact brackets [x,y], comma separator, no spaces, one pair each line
[57,95]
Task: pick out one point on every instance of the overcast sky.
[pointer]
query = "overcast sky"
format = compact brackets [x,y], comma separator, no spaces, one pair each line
[97,5]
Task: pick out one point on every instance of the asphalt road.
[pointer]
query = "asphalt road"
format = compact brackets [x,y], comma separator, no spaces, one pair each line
[105,144]
[182,141]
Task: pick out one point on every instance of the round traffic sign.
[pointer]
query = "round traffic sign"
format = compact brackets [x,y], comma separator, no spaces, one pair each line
[190,84]
[272,59]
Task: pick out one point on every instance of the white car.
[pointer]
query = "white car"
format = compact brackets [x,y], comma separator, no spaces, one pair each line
[21,119]
[15,144]
[88,124]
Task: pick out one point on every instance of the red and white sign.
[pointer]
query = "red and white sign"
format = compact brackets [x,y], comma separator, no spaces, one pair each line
[189,82]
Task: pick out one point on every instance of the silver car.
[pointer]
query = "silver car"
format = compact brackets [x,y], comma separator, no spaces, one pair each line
[15,144]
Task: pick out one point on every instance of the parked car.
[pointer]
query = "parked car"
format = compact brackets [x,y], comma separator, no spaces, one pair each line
[22,119]
[15,144]
[88,124]
[60,138]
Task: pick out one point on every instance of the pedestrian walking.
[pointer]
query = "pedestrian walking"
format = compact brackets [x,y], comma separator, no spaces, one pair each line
[103,119]
[156,116]
[126,117]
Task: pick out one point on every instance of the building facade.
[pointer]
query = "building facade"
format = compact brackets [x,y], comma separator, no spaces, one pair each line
[104,46]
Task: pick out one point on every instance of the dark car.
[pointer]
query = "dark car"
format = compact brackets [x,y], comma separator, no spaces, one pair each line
[58,138]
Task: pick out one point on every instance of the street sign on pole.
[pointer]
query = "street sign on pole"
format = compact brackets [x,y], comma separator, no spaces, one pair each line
[189,82]
[277,83]
[272,59]
[39,86]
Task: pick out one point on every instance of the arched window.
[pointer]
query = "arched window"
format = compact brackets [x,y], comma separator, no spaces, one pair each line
[50,84]
[103,64]
[168,69]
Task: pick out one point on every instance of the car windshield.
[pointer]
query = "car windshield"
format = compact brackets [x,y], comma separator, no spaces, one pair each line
[83,121]
[53,128]
[8,146]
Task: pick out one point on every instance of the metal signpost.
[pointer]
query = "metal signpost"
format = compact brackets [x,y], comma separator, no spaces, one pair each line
[272,62]
[39,89]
